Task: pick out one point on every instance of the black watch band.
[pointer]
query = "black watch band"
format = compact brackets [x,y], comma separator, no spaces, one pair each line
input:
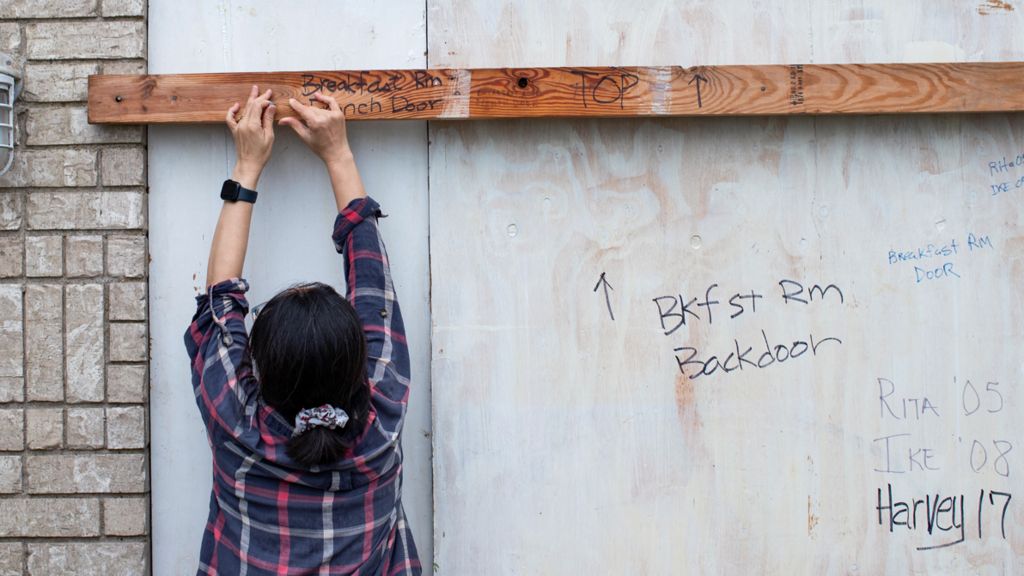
[232,191]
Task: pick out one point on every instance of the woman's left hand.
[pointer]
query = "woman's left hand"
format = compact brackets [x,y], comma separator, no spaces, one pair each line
[253,131]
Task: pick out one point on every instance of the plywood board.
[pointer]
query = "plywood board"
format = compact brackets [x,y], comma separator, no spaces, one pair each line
[290,240]
[797,315]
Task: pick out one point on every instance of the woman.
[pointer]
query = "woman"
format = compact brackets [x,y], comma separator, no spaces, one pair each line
[304,415]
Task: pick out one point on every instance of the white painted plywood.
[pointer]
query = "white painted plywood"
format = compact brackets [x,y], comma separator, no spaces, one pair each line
[569,442]
[290,239]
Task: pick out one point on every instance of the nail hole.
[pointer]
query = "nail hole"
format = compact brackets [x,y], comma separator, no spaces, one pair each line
[118,98]
[174,98]
[523,82]
[763,88]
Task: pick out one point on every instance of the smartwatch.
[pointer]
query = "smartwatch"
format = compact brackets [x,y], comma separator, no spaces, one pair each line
[233,191]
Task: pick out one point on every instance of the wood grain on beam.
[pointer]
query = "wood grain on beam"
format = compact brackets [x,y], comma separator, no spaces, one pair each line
[575,92]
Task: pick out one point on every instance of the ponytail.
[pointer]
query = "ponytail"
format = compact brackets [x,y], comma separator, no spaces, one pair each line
[319,445]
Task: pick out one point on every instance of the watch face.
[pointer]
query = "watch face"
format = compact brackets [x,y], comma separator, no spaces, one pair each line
[229,191]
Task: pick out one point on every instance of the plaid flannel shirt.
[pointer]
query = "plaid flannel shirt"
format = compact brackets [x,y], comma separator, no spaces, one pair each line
[269,515]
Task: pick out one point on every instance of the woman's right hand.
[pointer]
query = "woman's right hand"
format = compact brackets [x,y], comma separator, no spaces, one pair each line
[322,130]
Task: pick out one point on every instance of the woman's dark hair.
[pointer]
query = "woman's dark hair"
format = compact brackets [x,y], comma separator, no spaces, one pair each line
[308,349]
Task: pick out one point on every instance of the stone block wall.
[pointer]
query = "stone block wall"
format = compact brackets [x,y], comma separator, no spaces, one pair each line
[74,344]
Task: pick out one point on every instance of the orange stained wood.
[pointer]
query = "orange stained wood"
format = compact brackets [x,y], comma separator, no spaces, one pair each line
[596,92]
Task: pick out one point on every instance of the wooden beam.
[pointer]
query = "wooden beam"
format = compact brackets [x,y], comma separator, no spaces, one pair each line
[575,92]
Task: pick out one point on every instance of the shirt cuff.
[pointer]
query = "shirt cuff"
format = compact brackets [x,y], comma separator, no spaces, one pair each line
[217,305]
[357,210]
[229,286]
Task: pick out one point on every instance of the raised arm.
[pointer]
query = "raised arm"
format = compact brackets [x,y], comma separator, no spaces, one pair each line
[372,293]
[216,338]
[253,132]
[368,274]
[323,130]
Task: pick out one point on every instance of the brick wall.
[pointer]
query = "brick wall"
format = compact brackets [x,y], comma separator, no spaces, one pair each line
[74,491]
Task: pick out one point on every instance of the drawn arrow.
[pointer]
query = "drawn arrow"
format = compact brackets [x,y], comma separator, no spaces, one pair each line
[698,79]
[602,282]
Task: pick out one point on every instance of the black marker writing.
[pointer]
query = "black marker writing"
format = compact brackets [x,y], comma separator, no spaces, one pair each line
[607,89]
[697,78]
[602,282]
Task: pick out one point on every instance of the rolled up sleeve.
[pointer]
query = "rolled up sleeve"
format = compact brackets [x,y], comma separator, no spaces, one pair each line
[372,293]
[216,342]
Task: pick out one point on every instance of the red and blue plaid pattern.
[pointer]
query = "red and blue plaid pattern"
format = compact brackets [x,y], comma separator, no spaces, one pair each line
[269,515]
